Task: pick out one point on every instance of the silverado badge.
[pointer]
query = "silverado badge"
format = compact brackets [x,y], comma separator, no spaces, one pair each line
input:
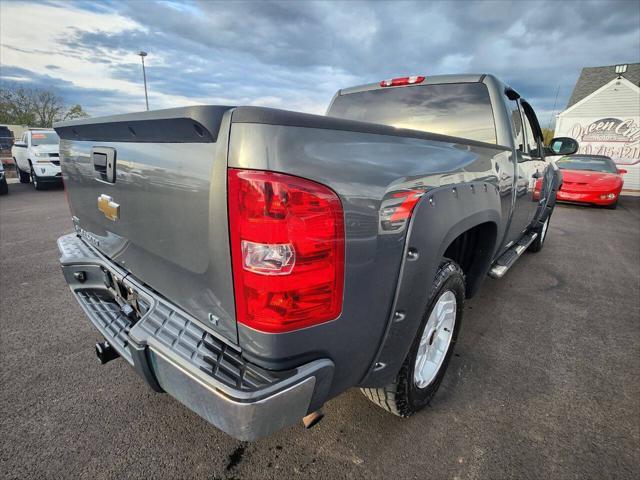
[110,208]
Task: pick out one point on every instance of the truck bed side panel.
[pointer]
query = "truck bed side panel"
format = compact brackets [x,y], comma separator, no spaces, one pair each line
[364,169]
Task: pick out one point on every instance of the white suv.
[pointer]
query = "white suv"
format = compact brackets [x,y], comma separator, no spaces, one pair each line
[37,157]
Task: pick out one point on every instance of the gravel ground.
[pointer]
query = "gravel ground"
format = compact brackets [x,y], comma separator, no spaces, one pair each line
[545,382]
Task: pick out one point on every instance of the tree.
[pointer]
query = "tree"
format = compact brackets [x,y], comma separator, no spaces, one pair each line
[35,107]
[16,107]
[48,107]
[547,135]
[75,112]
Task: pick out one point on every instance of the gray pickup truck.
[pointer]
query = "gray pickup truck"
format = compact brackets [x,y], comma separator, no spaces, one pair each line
[254,263]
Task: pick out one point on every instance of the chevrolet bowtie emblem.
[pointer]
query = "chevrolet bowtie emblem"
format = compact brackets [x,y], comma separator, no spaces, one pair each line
[110,208]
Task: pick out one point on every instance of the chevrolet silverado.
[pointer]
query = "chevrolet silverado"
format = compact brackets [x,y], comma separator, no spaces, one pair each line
[36,157]
[254,263]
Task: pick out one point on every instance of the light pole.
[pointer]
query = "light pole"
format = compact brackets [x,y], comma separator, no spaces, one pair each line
[144,76]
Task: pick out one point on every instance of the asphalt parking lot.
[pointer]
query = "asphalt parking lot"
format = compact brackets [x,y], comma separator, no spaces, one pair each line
[545,382]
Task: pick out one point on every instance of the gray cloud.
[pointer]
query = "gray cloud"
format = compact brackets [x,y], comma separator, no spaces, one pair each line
[296,54]
[66,89]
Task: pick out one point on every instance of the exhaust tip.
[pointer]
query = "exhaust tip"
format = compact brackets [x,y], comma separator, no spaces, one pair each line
[105,352]
[312,419]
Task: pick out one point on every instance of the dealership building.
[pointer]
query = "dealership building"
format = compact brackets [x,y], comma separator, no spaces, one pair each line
[603,115]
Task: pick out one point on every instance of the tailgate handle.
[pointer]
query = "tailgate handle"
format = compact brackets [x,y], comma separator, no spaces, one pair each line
[104,163]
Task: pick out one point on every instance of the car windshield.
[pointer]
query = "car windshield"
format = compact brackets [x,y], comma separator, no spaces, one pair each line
[44,138]
[583,162]
[456,109]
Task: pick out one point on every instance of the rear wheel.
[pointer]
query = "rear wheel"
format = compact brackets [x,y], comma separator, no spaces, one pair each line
[4,188]
[427,361]
[23,176]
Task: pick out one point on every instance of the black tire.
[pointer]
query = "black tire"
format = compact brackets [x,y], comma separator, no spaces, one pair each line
[542,232]
[4,188]
[34,179]
[23,176]
[403,397]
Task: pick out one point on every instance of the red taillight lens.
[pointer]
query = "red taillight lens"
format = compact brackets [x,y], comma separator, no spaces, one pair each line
[287,248]
[397,82]
[409,199]
[397,207]
[538,185]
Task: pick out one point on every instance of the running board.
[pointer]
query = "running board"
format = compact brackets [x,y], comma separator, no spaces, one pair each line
[508,258]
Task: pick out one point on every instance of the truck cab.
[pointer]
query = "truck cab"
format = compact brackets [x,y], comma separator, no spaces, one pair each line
[37,157]
[477,107]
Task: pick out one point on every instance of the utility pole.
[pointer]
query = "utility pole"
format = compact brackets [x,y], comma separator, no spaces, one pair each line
[144,76]
[554,108]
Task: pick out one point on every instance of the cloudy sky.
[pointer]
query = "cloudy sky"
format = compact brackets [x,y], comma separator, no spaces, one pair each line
[296,54]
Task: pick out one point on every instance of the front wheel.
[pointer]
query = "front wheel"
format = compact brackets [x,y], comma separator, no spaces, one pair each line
[23,176]
[427,361]
[34,179]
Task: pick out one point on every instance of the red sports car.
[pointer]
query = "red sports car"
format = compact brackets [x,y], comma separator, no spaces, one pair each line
[592,179]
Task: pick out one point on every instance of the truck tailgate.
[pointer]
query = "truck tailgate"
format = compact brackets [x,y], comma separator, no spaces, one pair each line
[148,190]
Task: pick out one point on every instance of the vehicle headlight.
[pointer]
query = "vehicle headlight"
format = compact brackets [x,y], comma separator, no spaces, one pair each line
[608,196]
[42,157]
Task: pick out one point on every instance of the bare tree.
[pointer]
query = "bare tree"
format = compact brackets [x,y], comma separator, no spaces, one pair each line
[75,112]
[547,135]
[16,106]
[48,107]
[34,107]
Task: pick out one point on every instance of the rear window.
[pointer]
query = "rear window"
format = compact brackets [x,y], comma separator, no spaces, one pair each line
[456,109]
[583,162]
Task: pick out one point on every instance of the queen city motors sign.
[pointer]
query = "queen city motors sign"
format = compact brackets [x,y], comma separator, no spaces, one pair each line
[613,137]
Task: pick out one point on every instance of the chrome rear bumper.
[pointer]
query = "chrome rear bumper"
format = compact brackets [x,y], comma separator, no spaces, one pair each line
[176,354]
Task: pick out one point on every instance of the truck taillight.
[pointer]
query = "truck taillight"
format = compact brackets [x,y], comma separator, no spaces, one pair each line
[396,208]
[287,248]
[397,82]
[408,200]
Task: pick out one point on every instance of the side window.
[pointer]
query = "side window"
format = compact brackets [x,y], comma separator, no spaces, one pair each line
[516,124]
[531,146]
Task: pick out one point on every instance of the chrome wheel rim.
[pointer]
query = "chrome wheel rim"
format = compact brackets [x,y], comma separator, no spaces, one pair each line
[435,340]
[543,234]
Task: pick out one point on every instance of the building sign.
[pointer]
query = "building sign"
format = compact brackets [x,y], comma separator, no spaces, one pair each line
[614,137]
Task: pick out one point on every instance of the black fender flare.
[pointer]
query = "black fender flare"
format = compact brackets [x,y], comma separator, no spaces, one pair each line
[437,220]
[550,186]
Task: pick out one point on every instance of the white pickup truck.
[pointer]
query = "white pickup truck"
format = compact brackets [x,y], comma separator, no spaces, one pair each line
[37,158]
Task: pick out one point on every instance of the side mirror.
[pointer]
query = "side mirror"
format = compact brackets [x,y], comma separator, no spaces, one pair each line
[563,146]
[621,171]
[20,144]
